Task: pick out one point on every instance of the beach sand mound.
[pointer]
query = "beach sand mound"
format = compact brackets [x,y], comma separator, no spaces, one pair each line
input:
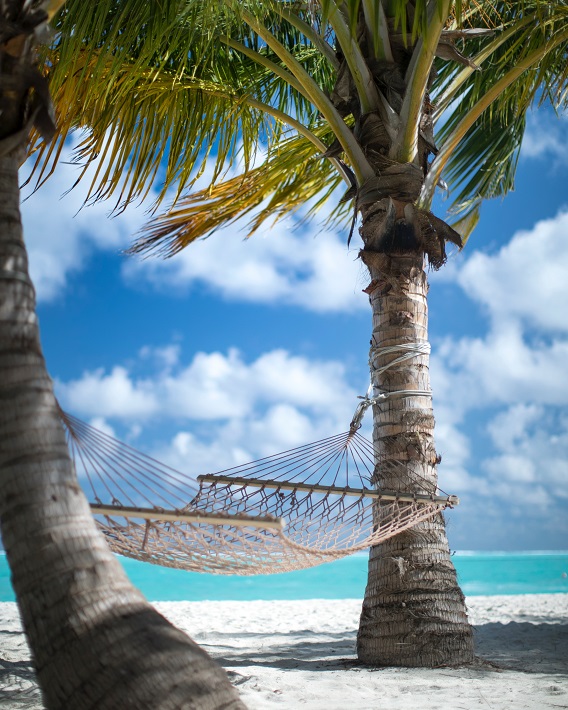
[300,654]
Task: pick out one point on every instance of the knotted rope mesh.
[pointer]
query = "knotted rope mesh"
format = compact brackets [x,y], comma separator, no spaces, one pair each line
[296,509]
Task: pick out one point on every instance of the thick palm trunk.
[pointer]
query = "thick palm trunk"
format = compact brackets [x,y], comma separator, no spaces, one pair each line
[95,641]
[414,611]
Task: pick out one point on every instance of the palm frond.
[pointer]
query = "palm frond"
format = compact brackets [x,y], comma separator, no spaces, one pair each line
[192,87]
[288,179]
[140,131]
[145,91]
[346,37]
[480,136]
[316,95]
[418,76]
[467,219]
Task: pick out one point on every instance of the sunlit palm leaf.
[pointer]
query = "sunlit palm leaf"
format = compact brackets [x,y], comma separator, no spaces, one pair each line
[287,180]
[157,108]
[483,164]
[165,98]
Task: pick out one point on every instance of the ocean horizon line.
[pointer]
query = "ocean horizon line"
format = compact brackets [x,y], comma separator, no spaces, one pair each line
[466,553]
[480,573]
[461,553]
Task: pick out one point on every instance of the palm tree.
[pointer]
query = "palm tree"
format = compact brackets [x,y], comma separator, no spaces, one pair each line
[384,95]
[96,642]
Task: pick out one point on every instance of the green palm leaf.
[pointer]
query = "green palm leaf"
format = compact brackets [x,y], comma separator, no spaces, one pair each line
[157,113]
[260,194]
[192,87]
[482,165]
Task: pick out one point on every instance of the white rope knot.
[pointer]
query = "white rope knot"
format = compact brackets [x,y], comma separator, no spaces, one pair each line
[357,421]
[409,351]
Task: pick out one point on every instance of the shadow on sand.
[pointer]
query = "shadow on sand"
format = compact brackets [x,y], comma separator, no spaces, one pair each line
[524,647]
[535,648]
[18,687]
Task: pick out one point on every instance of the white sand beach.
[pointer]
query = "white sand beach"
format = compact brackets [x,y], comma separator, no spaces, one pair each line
[300,654]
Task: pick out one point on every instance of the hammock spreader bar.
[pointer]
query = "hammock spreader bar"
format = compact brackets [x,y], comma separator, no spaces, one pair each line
[382,494]
[175,516]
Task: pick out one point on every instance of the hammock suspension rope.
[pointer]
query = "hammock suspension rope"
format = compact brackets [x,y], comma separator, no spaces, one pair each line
[292,510]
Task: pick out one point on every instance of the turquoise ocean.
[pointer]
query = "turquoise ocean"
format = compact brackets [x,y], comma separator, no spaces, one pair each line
[480,574]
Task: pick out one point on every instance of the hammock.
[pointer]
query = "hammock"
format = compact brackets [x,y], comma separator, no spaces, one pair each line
[296,509]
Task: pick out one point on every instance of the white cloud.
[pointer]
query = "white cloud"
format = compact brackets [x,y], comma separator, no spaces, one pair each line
[287,262]
[271,404]
[516,370]
[98,394]
[511,467]
[239,441]
[532,442]
[186,452]
[214,386]
[546,136]
[509,427]
[501,368]
[103,426]
[167,356]
[526,279]
[61,236]
[280,264]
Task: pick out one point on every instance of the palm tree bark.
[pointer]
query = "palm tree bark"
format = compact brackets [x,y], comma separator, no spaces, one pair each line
[414,611]
[95,640]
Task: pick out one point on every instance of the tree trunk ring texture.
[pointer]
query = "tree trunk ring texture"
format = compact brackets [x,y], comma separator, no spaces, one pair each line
[414,612]
[96,642]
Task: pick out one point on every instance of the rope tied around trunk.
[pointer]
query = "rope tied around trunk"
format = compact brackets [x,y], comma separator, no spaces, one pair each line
[409,351]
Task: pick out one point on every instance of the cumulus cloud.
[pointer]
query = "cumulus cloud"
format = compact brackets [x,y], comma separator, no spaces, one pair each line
[532,441]
[503,367]
[287,262]
[165,357]
[514,373]
[225,409]
[113,394]
[526,279]
[241,440]
[546,136]
[61,235]
[188,453]
[103,426]
[281,264]
[212,386]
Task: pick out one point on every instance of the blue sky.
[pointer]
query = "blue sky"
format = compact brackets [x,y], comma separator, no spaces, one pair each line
[236,349]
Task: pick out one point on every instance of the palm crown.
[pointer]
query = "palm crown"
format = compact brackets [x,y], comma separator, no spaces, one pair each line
[359,91]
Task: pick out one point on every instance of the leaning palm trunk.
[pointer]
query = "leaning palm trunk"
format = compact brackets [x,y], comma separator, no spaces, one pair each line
[95,641]
[413,612]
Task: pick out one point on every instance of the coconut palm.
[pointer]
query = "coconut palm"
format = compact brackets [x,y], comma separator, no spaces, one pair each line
[96,642]
[386,96]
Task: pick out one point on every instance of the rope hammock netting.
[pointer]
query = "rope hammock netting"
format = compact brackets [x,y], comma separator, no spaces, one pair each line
[296,509]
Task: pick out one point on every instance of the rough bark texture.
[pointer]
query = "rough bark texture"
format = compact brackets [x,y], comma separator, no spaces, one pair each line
[414,611]
[95,641]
